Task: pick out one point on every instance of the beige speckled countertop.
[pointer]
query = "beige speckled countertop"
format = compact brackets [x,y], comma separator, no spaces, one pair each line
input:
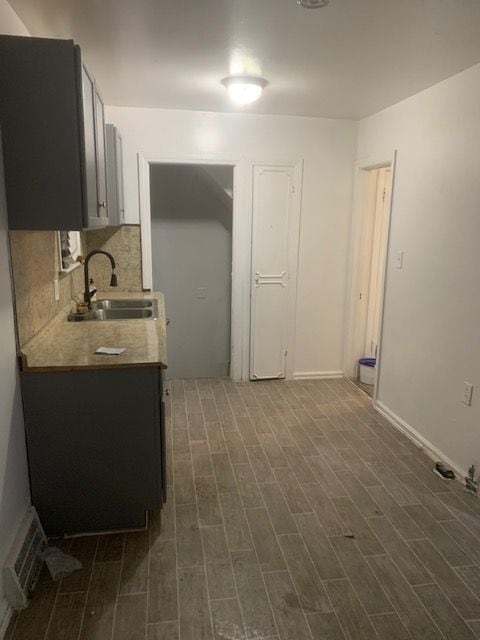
[64,345]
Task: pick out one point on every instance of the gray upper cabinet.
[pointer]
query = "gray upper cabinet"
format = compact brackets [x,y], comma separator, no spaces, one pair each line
[115,196]
[51,121]
[88,108]
[100,157]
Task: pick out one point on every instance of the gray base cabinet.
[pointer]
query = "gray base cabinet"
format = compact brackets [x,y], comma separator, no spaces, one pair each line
[96,447]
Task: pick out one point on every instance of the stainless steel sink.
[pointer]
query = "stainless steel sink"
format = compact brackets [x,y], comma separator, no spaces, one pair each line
[144,309]
[123,304]
[120,314]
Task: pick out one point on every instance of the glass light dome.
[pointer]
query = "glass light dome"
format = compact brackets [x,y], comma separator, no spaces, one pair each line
[244,89]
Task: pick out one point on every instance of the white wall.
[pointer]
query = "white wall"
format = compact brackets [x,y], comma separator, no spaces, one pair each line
[431,332]
[14,492]
[192,249]
[328,149]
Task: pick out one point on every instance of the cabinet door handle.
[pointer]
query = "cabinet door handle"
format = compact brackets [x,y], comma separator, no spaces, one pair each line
[102,204]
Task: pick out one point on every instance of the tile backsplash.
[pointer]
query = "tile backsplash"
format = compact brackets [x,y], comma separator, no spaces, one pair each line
[35,266]
[124,245]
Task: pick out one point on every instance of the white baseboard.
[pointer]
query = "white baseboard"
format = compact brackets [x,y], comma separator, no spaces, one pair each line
[412,434]
[317,375]
[5,616]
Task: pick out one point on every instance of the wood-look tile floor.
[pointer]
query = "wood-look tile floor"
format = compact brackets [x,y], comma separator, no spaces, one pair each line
[295,512]
[367,388]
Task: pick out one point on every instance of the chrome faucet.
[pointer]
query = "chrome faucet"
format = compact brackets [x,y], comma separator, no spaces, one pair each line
[113,279]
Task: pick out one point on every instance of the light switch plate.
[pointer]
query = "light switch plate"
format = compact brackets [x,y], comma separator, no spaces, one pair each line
[202,293]
[399,260]
[467,393]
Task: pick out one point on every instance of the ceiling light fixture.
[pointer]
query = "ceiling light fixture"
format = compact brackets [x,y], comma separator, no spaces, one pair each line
[244,89]
[313,4]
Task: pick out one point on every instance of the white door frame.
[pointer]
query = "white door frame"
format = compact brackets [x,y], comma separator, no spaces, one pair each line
[240,330]
[353,290]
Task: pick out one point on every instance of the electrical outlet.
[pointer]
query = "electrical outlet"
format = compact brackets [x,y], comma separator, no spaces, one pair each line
[467,393]
[399,260]
[202,293]
[56,290]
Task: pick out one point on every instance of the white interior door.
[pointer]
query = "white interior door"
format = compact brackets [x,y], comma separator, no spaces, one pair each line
[276,215]
[379,248]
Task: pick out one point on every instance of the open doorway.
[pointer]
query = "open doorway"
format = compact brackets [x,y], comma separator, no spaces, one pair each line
[191,238]
[372,237]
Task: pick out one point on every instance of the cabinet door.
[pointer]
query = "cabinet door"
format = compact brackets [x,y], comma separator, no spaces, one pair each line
[113,143]
[102,212]
[163,444]
[162,438]
[42,133]
[93,465]
[88,102]
[119,167]
[111,161]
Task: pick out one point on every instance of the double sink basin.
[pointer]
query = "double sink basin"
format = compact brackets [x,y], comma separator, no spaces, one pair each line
[145,309]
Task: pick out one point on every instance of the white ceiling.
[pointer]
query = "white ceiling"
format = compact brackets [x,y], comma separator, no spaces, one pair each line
[350,59]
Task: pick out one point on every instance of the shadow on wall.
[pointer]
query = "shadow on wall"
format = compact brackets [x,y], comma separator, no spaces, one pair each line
[183,185]
[191,208]
[14,489]
[13,473]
